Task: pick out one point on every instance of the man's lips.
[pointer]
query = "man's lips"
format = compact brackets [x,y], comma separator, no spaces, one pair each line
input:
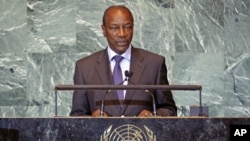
[121,43]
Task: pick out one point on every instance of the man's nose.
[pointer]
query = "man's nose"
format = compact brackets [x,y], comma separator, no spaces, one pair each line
[121,32]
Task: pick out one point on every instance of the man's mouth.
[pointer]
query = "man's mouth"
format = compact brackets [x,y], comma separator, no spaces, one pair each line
[121,43]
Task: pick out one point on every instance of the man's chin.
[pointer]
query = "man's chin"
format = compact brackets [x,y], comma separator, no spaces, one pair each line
[121,49]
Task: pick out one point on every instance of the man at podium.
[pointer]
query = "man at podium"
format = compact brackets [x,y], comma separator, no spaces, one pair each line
[108,66]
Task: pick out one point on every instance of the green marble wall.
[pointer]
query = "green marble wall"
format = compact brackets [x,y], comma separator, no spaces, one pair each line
[205,42]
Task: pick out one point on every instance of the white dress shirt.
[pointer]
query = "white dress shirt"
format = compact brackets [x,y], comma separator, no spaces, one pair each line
[125,63]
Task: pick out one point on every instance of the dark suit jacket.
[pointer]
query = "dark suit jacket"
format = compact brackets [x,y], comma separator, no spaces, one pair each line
[148,69]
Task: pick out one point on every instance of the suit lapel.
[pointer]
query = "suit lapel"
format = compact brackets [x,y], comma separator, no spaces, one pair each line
[137,66]
[105,75]
[103,68]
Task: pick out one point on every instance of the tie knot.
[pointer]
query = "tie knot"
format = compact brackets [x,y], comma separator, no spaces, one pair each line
[118,58]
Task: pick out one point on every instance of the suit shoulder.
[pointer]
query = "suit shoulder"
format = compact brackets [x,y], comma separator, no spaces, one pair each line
[148,54]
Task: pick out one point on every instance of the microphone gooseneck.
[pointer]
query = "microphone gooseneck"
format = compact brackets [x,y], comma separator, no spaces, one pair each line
[153,100]
[102,105]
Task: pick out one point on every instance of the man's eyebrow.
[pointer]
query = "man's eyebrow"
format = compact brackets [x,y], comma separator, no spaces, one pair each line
[118,24]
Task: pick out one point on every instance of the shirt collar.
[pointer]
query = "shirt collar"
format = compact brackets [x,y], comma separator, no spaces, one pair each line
[126,54]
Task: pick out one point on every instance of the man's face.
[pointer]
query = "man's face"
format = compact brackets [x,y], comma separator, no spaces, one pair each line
[118,29]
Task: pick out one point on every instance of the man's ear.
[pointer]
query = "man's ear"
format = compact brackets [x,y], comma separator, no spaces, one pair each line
[103,31]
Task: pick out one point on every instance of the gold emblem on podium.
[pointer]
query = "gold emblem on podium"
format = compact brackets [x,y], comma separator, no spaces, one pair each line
[128,132]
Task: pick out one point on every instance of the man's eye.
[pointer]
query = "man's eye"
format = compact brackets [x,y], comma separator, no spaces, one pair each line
[128,27]
[114,28]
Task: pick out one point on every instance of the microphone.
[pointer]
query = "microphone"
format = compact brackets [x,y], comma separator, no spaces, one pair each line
[128,74]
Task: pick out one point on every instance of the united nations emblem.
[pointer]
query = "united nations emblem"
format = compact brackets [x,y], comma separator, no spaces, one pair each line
[128,132]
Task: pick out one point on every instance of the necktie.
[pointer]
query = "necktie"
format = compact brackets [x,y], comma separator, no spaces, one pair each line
[117,76]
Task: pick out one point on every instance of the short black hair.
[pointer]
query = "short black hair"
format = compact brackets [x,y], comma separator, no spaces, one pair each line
[118,7]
